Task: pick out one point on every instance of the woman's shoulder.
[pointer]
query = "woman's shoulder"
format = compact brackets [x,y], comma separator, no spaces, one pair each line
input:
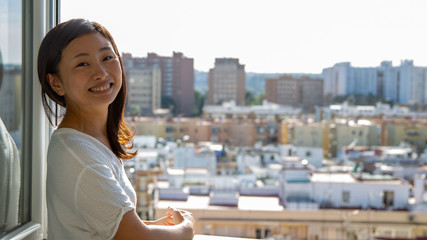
[71,143]
[70,138]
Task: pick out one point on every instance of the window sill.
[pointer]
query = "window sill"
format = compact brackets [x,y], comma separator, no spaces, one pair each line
[28,231]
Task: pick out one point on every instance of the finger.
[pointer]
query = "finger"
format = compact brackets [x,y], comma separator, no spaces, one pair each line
[169,212]
[177,216]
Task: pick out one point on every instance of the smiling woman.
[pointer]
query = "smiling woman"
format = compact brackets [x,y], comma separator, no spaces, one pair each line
[88,193]
[82,65]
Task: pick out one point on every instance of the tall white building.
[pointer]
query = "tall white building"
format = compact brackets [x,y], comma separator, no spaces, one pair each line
[404,84]
[335,79]
[362,81]
[144,89]
[343,79]
[412,83]
[388,80]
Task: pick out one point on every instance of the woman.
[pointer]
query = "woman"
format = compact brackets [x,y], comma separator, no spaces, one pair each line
[88,193]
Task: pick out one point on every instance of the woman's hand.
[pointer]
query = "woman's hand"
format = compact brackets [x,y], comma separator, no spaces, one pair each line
[170,220]
[180,216]
[165,221]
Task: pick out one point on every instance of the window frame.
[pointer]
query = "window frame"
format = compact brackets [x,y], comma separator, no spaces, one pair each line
[37,17]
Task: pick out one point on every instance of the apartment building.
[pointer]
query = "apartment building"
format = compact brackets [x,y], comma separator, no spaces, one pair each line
[231,132]
[199,131]
[144,86]
[177,78]
[403,84]
[307,135]
[220,131]
[349,133]
[343,79]
[413,133]
[169,129]
[226,82]
[303,92]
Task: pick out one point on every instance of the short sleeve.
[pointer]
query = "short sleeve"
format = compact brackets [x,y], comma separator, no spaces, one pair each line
[100,200]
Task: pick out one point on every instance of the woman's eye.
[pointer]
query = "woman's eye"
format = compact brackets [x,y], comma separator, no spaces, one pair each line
[108,58]
[82,64]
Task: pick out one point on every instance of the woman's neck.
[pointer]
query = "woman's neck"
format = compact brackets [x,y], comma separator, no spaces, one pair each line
[91,122]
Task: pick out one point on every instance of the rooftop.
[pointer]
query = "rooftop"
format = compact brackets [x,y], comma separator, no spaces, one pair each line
[244,203]
[352,178]
[333,177]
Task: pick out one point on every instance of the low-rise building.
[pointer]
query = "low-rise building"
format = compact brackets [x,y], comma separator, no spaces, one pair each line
[347,190]
[413,133]
[266,111]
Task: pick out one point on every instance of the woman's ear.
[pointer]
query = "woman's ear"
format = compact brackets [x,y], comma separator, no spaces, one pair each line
[55,84]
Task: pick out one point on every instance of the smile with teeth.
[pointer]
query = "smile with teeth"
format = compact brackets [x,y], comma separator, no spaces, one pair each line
[101,88]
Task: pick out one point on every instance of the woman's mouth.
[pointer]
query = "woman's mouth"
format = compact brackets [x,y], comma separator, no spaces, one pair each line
[101,88]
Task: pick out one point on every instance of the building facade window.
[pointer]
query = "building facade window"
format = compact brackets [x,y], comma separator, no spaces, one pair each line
[345,196]
[388,199]
[170,129]
[215,130]
[260,130]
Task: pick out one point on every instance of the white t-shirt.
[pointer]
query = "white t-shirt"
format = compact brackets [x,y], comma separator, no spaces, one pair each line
[87,189]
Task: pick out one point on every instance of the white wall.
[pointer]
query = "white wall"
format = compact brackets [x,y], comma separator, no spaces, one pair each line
[185,157]
[361,194]
[246,160]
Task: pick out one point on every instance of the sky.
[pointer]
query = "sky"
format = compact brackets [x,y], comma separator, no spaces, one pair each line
[268,36]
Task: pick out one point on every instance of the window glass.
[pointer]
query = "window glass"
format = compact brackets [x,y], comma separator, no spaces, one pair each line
[10,115]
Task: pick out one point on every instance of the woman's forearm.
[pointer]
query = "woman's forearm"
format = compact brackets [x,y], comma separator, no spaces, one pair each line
[180,231]
[131,227]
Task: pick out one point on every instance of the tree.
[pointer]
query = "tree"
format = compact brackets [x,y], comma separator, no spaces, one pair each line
[199,100]
[260,99]
[251,99]
[135,111]
[169,103]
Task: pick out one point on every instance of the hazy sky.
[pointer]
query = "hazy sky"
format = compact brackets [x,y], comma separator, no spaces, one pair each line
[266,35]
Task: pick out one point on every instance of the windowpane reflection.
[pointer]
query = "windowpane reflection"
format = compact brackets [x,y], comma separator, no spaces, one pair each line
[10,114]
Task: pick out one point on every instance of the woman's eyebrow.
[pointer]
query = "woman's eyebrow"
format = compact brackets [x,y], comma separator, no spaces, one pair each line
[80,55]
[106,48]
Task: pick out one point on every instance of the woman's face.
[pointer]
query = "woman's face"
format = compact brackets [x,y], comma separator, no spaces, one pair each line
[90,75]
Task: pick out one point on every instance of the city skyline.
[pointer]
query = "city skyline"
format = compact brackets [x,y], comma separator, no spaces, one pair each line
[272,36]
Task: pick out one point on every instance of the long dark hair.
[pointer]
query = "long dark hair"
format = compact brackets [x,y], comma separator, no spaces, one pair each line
[119,134]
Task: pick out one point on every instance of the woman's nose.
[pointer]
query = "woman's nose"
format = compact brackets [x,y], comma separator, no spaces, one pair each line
[99,71]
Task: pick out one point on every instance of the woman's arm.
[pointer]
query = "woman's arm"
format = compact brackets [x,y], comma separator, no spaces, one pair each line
[167,220]
[164,221]
[132,227]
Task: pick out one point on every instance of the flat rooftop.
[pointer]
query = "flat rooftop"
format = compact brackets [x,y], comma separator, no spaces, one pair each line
[333,177]
[350,178]
[244,203]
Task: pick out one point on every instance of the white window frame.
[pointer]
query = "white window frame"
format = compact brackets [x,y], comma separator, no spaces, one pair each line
[38,17]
